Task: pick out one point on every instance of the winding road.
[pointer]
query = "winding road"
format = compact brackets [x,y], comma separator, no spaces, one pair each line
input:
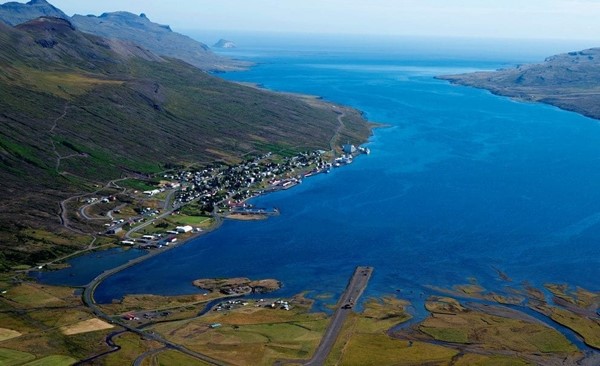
[88,300]
[336,136]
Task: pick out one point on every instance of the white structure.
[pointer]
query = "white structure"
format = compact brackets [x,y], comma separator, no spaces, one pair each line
[349,148]
[184,229]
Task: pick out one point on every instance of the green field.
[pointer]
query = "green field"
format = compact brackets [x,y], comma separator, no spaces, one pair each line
[190,220]
[136,184]
[9,357]
[171,357]
[55,360]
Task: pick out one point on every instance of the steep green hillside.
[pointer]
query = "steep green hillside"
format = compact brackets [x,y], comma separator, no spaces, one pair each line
[77,110]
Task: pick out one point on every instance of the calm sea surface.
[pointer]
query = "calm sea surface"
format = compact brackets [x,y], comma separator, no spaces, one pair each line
[460,184]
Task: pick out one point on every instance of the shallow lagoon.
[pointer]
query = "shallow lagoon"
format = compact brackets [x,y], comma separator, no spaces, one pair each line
[460,184]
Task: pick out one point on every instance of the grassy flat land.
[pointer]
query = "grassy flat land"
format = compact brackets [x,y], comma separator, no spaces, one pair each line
[455,324]
[85,326]
[185,303]
[8,334]
[364,339]
[9,357]
[588,329]
[131,347]
[41,314]
[32,295]
[251,335]
[197,221]
[54,360]
[453,335]
[176,358]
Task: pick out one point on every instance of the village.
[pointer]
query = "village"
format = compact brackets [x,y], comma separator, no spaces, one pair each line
[214,192]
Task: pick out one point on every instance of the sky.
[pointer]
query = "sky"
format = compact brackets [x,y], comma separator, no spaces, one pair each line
[520,19]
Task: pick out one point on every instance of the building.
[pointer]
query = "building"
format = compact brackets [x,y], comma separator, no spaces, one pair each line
[184,229]
[349,148]
[114,230]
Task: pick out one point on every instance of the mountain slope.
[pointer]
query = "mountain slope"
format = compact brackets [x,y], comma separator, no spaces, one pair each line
[77,110]
[570,81]
[159,39]
[125,26]
[14,13]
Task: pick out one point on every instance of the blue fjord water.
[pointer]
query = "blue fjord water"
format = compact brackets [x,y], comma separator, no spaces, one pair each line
[459,184]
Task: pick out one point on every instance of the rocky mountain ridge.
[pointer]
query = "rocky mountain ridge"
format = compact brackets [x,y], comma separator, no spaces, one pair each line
[14,13]
[125,26]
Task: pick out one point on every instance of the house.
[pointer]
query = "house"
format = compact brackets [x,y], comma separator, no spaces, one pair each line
[152,192]
[114,230]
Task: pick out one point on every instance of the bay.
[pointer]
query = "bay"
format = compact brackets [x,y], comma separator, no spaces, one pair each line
[459,184]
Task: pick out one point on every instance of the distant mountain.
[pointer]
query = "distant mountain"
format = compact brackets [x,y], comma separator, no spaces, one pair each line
[223,43]
[570,81]
[159,39]
[77,110]
[14,13]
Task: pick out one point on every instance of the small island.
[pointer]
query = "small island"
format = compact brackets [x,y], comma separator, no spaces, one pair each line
[223,43]
[238,285]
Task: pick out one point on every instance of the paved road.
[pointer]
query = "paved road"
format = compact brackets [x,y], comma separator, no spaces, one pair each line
[88,300]
[138,361]
[109,342]
[354,289]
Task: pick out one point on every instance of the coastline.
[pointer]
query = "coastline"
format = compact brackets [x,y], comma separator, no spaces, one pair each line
[462,296]
[218,218]
[525,95]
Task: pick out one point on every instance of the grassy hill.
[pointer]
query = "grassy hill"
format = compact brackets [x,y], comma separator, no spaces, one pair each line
[569,81]
[77,110]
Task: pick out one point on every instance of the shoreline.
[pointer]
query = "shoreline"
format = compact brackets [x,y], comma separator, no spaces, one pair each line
[307,98]
[517,96]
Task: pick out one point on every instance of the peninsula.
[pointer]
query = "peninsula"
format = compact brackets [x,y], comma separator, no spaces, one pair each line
[570,81]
